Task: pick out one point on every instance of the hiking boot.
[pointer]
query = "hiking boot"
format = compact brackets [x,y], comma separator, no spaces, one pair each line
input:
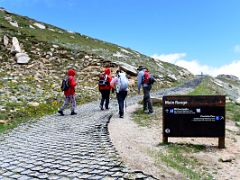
[121,116]
[150,112]
[145,111]
[107,108]
[101,107]
[61,113]
[73,113]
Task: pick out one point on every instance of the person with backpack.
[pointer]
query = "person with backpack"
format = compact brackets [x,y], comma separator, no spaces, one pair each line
[145,80]
[120,84]
[105,88]
[68,86]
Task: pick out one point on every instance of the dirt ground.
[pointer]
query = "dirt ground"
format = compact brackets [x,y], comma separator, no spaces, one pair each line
[134,144]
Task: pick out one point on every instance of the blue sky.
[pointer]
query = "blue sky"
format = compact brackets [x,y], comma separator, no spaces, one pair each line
[201,35]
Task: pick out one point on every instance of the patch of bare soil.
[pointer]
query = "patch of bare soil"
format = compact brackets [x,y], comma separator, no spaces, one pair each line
[135,143]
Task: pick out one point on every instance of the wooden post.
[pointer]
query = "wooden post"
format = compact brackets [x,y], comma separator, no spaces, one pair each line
[165,139]
[221,142]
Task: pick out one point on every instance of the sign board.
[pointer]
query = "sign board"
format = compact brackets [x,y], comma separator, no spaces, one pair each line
[193,116]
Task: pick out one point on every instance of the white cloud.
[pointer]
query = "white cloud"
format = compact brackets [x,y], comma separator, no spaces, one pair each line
[236,48]
[171,58]
[195,67]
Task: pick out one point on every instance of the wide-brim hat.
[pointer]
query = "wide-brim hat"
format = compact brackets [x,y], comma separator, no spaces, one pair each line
[140,68]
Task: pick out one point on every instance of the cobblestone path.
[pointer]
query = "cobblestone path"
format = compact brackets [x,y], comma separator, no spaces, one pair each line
[68,147]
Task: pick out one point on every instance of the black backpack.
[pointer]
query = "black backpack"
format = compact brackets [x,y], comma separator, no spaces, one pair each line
[103,80]
[65,85]
[151,80]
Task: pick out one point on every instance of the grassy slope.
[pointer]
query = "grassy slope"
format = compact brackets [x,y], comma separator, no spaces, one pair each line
[70,42]
[208,88]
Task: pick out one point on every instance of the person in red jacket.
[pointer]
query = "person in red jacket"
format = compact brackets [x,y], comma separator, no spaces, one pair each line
[69,93]
[105,89]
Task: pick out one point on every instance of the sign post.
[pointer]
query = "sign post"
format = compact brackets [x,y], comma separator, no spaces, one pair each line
[194,116]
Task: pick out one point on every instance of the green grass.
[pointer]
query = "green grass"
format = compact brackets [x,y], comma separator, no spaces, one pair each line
[143,119]
[26,113]
[233,112]
[205,88]
[177,157]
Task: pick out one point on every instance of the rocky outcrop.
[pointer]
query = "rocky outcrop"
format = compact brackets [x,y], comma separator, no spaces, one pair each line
[129,69]
[15,46]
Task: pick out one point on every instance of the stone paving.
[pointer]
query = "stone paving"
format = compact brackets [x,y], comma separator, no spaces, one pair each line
[68,147]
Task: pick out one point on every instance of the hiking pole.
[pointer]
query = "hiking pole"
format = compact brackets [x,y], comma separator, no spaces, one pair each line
[125,103]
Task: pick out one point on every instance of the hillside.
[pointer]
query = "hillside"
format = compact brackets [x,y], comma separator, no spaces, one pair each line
[35,56]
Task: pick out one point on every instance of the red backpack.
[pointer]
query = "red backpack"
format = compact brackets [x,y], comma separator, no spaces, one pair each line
[146,77]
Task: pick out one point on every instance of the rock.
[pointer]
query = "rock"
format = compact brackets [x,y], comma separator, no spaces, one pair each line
[22,58]
[55,46]
[226,158]
[51,30]
[49,53]
[156,100]
[238,101]
[15,46]
[31,27]
[232,128]
[238,124]
[40,26]
[5,40]
[8,18]
[129,69]
[33,104]
[172,76]
[15,24]
[3,121]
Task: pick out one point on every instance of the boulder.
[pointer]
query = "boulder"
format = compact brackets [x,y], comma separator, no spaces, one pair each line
[40,26]
[15,46]
[5,40]
[129,69]
[22,58]
[14,23]
[8,18]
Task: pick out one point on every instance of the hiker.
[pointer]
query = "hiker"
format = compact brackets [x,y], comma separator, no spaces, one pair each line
[69,93]
[143,80]
[104,88]
[120,84]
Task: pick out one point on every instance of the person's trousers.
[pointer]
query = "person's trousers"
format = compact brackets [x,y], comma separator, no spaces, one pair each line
[105,98]
[67,100]
[147,104]
[121,98]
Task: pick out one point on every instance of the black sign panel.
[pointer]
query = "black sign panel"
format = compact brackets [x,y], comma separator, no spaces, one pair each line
[194,116]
